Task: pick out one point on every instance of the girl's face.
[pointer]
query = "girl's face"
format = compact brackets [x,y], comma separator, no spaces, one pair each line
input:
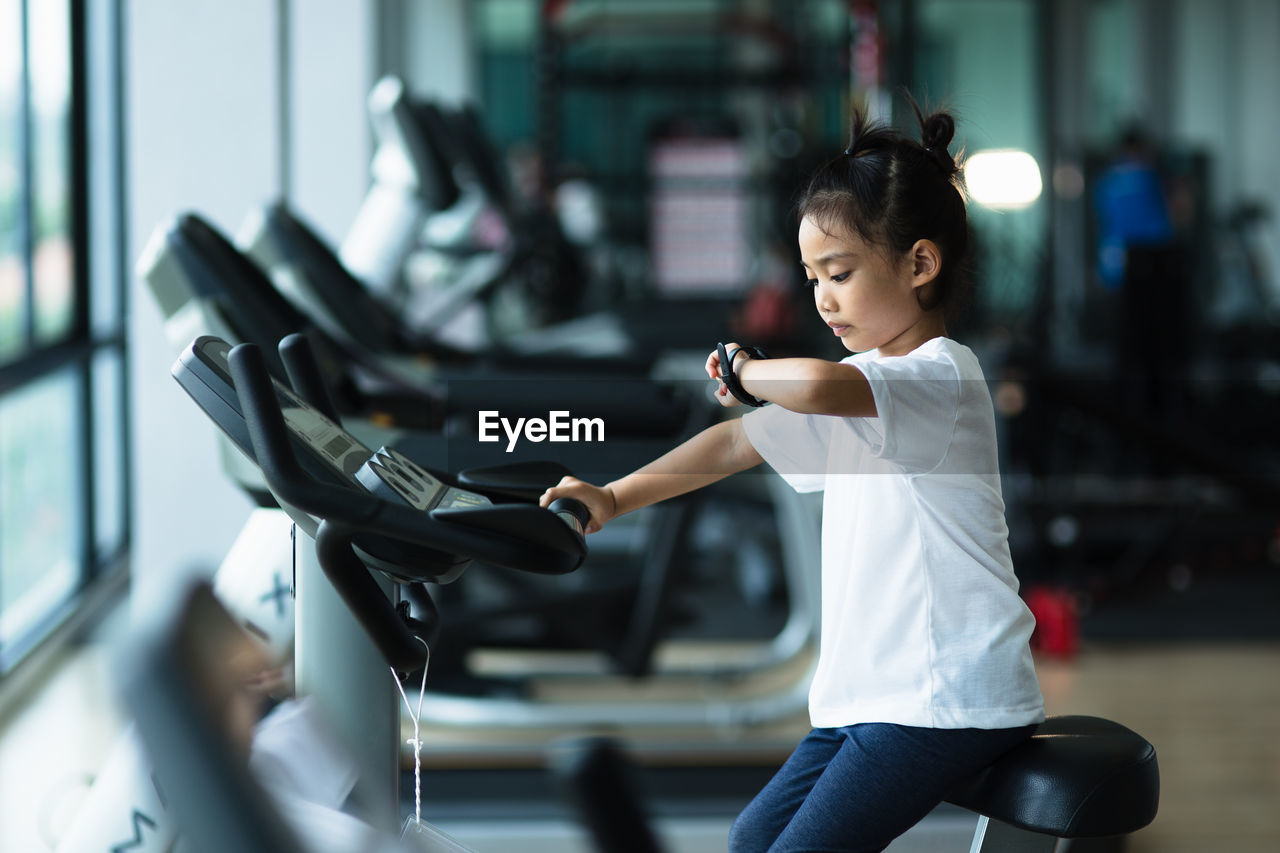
[866,297]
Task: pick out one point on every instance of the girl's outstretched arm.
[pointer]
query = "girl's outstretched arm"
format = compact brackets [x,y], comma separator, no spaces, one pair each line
[711,455]
[810,386]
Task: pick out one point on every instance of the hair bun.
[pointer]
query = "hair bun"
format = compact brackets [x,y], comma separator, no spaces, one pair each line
[937,131]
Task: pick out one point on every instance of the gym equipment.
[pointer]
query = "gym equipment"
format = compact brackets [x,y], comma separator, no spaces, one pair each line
[125,808]
[307,271]
[409,182]
[1077,777]
[466,522]
[203,284]
[1110,500]
[1126,487]
[414,525]
[182,681]
[437,189]
[191,261]
[446,147]
[644,616]
[435,145]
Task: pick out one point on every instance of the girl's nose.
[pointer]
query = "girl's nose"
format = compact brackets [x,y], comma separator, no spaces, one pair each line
[823,297]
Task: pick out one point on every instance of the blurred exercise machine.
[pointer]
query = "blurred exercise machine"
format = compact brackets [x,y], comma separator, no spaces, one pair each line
[203,283]
[383,492]
[640,616]
[440,233]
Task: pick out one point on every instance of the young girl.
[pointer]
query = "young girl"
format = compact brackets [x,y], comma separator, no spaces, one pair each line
[924,674]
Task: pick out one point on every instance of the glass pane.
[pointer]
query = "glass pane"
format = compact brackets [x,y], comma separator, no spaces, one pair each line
[978,57]
[507,24]
[13,278]
[50,50]
[12,272]
[41,532]
[105,249]
[108,453]
[1114,77]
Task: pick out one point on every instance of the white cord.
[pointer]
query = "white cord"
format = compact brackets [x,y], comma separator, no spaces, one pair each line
[416,740]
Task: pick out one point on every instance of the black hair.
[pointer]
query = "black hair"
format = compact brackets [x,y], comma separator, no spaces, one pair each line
[891,191]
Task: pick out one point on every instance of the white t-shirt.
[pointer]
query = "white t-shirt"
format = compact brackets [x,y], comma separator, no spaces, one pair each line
[921,620]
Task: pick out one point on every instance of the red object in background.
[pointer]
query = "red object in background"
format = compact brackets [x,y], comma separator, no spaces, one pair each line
[868,44]
[553,9]
[1057,620]
[766,316]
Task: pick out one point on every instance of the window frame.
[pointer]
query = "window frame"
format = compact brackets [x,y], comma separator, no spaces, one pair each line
[94,332]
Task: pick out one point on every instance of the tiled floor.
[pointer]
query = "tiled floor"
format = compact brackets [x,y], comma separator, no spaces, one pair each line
[1213,712]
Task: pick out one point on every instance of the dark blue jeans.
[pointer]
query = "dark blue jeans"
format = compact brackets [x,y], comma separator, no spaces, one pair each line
[859,787]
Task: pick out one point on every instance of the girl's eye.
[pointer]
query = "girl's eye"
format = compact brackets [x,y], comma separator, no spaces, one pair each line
[813,282]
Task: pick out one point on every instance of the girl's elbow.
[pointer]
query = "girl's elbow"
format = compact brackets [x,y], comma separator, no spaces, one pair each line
[844,393]
[818,391]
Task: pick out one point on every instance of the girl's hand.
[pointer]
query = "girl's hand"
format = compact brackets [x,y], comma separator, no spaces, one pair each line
[723,397]
[600,502]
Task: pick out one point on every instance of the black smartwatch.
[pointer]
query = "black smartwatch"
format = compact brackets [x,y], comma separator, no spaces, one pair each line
[730,380]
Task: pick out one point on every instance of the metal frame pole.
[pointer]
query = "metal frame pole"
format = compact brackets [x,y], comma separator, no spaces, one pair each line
[338,666]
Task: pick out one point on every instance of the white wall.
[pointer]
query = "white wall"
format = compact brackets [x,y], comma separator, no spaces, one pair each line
[230,104]
[332,68]
[204,124]
[434,50]
[201,134]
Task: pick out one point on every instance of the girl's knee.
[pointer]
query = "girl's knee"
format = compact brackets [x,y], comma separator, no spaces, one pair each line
[747,836]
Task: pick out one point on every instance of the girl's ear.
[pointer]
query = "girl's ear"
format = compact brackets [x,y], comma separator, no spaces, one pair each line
[926,262]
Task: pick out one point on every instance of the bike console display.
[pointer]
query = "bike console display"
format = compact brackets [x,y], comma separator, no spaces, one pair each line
[328,452]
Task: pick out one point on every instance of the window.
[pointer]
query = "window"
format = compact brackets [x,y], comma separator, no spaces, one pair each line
[983,58]
[63,495]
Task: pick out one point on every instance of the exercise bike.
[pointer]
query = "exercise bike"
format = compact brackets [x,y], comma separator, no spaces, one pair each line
[202,282]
